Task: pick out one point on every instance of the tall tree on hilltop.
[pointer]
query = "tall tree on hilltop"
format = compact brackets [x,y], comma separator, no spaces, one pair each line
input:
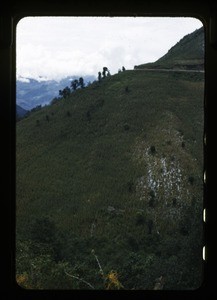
[65,92]
[61,93]
[81,82]
[74,84]
[105,69]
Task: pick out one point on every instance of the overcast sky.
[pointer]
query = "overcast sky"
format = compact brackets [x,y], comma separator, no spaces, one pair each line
[56,47]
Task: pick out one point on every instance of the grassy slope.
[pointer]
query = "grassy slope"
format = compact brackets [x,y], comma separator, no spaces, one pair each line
[91,171]
[188,53]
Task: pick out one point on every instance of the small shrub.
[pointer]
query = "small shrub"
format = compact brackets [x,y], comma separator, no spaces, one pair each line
[191,180]
[150,226]
[140,220]
[126,127]
[184,230]
[152,193]
[151,202]
[152,149]
[113,282]
[88,116]
[130,187]
[174,201]
[181,132]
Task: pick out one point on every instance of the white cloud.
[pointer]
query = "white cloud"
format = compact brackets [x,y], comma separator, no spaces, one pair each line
[55,47]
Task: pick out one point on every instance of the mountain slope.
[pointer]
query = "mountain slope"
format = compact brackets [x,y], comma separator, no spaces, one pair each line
[115,168]
[188,53]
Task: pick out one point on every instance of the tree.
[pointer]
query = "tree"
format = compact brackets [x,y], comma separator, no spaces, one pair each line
[99,76]
[105,69]
[123,69]
[74,84]
[68,114]
[60,93]
[153,149]
[65,92]
[81,82]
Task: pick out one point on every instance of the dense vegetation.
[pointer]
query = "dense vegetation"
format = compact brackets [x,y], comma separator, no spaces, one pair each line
[109,186]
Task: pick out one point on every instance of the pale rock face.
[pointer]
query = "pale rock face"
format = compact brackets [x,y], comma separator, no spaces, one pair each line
[163,189]
[163,177]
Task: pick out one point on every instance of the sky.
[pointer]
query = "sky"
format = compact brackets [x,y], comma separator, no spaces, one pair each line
[57,47]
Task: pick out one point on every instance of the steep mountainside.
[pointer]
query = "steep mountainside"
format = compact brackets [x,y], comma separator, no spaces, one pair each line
[113,172]
[188,53]
[109,182]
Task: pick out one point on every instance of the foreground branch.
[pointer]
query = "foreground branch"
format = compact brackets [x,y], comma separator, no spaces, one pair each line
[80,279]
[100,268]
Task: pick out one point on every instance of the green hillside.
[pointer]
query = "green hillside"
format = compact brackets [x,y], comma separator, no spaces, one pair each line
[188,53]
[112,177]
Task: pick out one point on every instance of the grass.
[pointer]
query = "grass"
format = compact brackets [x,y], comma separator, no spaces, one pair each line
[86,169]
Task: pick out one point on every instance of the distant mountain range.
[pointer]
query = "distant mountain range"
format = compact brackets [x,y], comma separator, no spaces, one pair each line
[31,92]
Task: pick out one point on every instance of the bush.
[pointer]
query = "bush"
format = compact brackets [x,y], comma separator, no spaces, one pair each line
[152,150]
[150,225]
[140,220]
[126,127]
[130,187]
[191,180]
[174,200]
[151,202]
